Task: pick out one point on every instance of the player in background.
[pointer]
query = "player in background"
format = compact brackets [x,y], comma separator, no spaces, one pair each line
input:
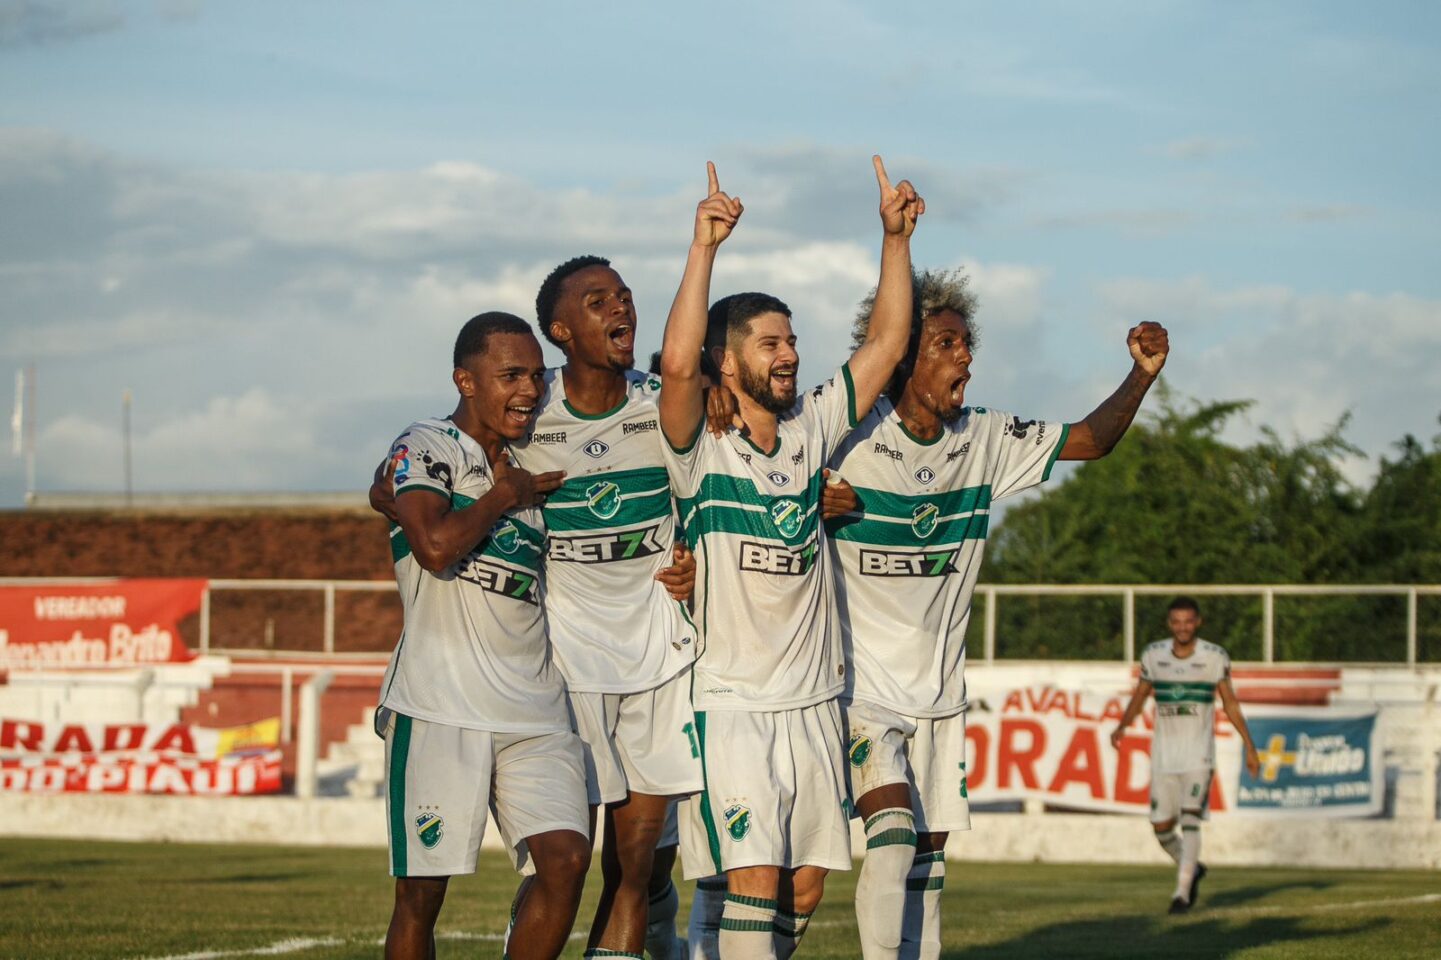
[472,710]
[926,469]
[1184,673]
[773,816]
[624,644]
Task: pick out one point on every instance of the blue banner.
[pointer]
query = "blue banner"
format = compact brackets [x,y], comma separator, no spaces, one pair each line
[1317,764]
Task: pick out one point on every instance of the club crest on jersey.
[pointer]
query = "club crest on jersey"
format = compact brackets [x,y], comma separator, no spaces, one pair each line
[923,519]
[603,498]
[430,827]
[505,537]
[778,478]
[595,449]
[859,750]
[925,475]
[786,514]
[738,821]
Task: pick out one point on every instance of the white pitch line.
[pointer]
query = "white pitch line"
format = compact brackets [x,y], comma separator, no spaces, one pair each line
[1325,907]
[276,949]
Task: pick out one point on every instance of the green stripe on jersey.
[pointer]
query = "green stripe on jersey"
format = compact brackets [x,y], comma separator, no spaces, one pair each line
[1177,691]
[399,545]
[605,501]
[920,520]
[399,754]
[727,504]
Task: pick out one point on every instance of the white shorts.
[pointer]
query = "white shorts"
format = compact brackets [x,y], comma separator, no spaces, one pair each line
[1173,793]
[441,781]
[638,742]
[928,754]
[775,793]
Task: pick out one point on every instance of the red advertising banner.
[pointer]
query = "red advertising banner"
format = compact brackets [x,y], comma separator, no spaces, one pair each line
[120,623]
[175,758]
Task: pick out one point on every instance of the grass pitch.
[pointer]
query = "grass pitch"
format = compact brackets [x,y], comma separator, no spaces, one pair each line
[114,900]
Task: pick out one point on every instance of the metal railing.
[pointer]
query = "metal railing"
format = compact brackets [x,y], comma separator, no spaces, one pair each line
[1127,593]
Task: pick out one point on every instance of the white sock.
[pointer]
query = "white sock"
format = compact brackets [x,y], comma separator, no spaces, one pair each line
[921,923]
[1170,842]
[881,887]
[789,929]
[703,931]
[1190,854]
[747,928]
[660,939]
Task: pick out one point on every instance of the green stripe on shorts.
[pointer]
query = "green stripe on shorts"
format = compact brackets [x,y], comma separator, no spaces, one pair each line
[399,753]
[708,818]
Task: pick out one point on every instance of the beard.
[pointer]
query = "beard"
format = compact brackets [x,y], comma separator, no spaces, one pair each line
[757,386]
[950,414]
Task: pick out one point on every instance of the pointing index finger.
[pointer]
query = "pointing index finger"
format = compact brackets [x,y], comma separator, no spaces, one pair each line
[714,180]
[881,177]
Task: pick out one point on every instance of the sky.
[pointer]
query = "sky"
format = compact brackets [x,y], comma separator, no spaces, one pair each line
[269,220]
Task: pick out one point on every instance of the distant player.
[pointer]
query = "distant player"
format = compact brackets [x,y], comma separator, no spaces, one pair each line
[926,469]
[624,644]
[773,817]
[1185,674]
[472,709]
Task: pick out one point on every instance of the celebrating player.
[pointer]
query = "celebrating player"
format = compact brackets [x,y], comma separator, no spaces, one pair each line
[769,734]
[1185,673]
[623,643]
[472,710]
[926,469]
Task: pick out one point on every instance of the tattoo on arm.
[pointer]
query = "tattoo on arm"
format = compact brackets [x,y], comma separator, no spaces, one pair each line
[1110,421]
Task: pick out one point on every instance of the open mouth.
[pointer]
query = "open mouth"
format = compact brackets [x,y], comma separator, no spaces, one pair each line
[958,387]
[519,415]
[623,337]
[784,376]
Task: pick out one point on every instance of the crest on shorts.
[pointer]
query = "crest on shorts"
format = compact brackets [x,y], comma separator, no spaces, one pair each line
[505,536]
[859,750]
[430,827]
[923,519]
[786,514]
[738,821]
[603,498]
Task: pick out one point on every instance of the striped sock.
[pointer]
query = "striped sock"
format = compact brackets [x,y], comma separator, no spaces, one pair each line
[881,887]
[603,952]
[747,927]
[789,929]
[1170,842]
[703,931]
[660,939]
[921,926]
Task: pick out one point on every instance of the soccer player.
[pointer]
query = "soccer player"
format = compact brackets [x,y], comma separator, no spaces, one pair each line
[622,642]
[1185,673]
[774,810]
[472,710]
[926,469]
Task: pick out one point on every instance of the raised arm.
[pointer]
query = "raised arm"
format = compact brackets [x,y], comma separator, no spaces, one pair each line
[875,360]
[1138,700]
[682,402]
[1098,434]
[1232,706]
[440,535]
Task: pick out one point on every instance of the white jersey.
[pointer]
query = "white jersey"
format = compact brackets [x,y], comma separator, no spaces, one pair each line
[764,590]
[910,554]
[613,626]
[473,652]
[1185,691]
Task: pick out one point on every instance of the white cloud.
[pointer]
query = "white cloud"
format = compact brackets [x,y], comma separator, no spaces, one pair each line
[1305,359]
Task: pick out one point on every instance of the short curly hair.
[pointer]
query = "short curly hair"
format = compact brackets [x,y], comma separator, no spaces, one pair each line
[549,293]
[932,291]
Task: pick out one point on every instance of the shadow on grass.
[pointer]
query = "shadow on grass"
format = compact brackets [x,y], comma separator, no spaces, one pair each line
[1153,937]
[1249,895]
[244,878]
[25,883]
